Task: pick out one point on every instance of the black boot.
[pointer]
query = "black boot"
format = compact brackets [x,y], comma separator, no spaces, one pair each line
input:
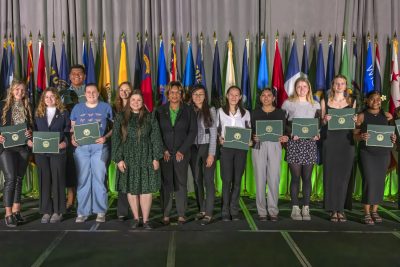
[18,217]
[10,221]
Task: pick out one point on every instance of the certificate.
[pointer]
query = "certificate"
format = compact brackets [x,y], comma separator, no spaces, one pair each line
[46,142]
[380,135]
[86,134]
[269,130]
[14,135]
[305,127]
[237,137]
[341,119]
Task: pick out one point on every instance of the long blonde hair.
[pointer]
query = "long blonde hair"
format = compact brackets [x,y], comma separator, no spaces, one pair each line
[41,109]
[346,93]
[10,101]
[295,96]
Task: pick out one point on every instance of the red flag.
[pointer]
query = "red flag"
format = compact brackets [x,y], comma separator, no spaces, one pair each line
[394,79]
[41,71]
[278,82]
[146,86]
[173,73]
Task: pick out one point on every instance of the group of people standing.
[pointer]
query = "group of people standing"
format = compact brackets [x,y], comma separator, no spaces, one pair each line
[153,151]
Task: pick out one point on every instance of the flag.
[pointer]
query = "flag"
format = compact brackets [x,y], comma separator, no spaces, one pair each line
[230,67]
[304,61]
[104,83]
[293,70]
[330,66]
[53,68]
[394,79]
[216,85]
[245,83]
[162,75]
[10,55]
[123,67]
[4,71]
[18,62]
[30,77]
[145,85]
[84,54]
[41,71]
[91,68]
[344,65]
[138,68]
[320,82]
[262,80]
[64,69]
[188,79]
[377,70]
[278,82]
[255,56]
[387,75]
[200,71]
[368,85]
[173,69]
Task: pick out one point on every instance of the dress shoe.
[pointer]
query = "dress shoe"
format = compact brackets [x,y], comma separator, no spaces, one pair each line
[18,216]
[10,221]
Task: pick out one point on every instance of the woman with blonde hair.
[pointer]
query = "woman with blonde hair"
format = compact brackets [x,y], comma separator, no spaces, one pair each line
[301,154]
[14,160]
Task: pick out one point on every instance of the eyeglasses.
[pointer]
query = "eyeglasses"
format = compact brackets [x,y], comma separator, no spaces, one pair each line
[198,95]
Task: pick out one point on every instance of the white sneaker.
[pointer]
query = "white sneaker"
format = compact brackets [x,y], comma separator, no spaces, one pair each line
[81,219]
[305,211]
[296,213]
[45,218]
[101,217]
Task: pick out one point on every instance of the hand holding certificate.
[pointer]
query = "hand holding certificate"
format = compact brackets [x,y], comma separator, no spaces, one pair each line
[14,135]
[305,128]
[269,130]
[237,137]
[380,135]
[341,119]
[86,134]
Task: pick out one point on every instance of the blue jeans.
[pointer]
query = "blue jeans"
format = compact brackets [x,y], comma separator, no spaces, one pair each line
[91,167]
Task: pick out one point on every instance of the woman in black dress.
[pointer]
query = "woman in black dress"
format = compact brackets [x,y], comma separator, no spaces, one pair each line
[337,151]
[373,160]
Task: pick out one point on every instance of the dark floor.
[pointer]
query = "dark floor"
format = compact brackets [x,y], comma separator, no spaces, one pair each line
[247,242]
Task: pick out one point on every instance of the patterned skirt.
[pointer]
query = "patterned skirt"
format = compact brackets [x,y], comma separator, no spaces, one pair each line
[302,151]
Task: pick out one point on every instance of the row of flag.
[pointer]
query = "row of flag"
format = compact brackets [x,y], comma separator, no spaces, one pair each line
[98,71]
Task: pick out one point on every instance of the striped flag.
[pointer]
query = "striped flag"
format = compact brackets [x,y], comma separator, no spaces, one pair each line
[293,70]
[377,69]
[394,79]
[368,85]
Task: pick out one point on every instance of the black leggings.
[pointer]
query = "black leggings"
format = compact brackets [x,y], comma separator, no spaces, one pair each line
[13,163]
[305,172]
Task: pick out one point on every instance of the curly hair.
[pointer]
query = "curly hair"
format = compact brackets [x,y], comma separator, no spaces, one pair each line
[41,109]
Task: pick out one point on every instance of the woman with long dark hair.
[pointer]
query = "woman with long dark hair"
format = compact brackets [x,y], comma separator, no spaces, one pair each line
[14,110]
[202,161]
[233,161]
[137,151]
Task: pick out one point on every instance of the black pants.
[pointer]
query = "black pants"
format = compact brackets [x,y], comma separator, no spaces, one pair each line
[122,205]
[51,170]
[13,163]
[233,163]
[203,178]
[174,180]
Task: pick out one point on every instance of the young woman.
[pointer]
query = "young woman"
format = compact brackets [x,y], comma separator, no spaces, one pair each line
[123,94]
[373,160]
[337,151]
[202,161]
[267,157]
[137,150]
[91,160]
[14,160]
[51,116]
[233,161]
[301,154]
[178,127]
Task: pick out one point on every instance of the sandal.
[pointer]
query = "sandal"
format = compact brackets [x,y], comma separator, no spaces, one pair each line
[341,217]
[334,217]
[206,220]
[375,216]
[165,221]
[368,219]
[181,220]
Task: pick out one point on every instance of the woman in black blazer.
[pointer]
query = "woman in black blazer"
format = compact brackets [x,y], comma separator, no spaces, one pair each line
[51,116]
[178,125]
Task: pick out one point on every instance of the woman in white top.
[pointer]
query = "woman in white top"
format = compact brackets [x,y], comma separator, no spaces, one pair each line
[301,154]
[233,161]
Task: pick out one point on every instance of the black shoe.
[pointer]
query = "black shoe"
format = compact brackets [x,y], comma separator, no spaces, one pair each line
[147,226]
[135,224]
[262,218]
[10,221]
[226,218]
[235,218]
[69,208]
[121,218]
[18,217]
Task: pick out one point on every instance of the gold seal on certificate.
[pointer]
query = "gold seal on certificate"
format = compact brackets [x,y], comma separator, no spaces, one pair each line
[305,127]
[46,142]
[380,135]
[237,137]
[86,134]
[14,135]
[269,130]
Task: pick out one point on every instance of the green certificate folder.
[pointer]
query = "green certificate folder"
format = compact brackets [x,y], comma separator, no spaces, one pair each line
[305,127]
[269,130]
[341,119]
[397,122]
[46,142]
[237,137]
[86,134]
[14,135]
[380,135]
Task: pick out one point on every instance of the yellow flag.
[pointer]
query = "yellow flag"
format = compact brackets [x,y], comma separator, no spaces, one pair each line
[123,68]
[105,78]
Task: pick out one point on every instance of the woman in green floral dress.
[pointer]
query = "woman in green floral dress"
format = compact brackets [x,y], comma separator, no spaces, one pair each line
[137,149]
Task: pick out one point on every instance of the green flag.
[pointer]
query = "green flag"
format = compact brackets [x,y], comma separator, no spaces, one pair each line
[344,64]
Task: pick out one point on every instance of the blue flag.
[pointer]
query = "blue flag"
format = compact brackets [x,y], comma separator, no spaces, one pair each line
[200,71]
[188,79]
[245,84]
[262,80]
[304,61]
[292,71]
[64,69]
[162,75]
[53,68]
[4,72]
[216,84]
[368,85]
[138,68]
[84,54]
[10,73]
[320,82]
[90,67]
[330,67]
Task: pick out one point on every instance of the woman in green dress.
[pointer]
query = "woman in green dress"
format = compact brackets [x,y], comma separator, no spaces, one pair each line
[137,149]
